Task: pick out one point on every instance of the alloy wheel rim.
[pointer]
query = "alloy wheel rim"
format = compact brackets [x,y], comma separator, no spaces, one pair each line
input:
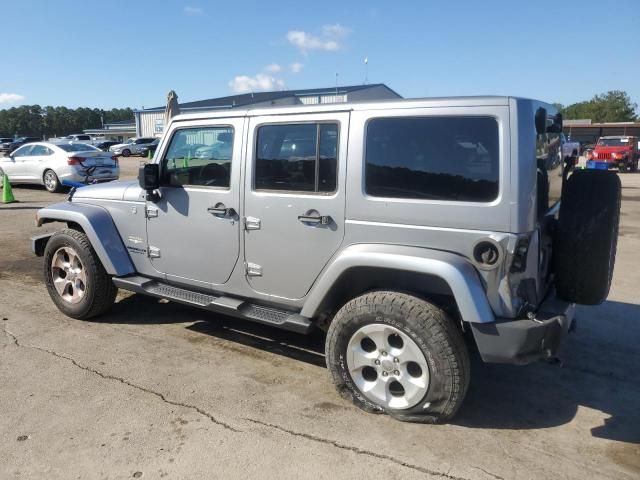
[387,366]
[68,275]
[49,180]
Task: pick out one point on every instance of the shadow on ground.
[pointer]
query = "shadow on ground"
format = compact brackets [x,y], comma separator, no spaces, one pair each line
[500,396]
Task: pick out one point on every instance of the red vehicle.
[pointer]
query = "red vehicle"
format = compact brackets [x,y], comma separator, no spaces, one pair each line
[618,152]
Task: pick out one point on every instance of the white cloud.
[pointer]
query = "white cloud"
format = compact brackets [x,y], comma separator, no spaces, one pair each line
[273,68]
[296,67]
[10,98]
[330,40]
[335,31]
[305,41]
[193,11]
[258,83]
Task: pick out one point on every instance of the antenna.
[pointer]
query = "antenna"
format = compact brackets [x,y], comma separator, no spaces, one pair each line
[366,70]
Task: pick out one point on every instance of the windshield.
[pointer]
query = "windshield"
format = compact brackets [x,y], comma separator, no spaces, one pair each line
[77,147]
[613,142]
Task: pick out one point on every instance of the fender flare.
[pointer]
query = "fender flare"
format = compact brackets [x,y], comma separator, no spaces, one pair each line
[99,228]
[455,270]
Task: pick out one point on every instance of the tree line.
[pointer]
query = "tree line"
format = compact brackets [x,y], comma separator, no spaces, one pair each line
[37,121]
[613,106]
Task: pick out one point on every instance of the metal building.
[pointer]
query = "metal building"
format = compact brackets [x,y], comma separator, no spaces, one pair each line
[586,131]
[150,121]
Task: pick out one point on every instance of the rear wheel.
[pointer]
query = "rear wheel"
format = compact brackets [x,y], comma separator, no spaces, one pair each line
[390,352]
[76,280]
[51,181]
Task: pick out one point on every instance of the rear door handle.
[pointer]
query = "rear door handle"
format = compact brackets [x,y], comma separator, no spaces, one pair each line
[315,219]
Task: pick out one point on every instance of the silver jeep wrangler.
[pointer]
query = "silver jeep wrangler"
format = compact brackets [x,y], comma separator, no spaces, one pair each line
[407,230]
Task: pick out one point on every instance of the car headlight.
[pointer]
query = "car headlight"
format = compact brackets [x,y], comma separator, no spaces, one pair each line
[614,155]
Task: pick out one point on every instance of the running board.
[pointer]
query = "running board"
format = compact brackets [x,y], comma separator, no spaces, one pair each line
[220,304]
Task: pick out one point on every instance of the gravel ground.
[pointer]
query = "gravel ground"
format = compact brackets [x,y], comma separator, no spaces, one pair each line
[158,390]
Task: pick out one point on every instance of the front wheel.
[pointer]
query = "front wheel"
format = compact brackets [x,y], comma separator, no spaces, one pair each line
[76,280]
[126,152]
[391,352]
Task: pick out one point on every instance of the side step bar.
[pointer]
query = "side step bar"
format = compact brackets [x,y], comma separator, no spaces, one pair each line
[220,304]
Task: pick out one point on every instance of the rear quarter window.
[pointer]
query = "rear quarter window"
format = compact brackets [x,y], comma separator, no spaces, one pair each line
[433,158]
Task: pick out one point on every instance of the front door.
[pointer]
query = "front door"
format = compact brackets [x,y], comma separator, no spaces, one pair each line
[193,228]
[294,200]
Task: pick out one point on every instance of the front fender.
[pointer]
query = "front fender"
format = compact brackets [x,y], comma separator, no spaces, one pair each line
[98,225]
[455,270]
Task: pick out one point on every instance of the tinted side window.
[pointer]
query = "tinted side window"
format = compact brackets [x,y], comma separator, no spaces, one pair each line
[297,157]
[199,156]
[441,158]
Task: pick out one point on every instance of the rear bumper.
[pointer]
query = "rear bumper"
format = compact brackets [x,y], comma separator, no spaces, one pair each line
[526,340]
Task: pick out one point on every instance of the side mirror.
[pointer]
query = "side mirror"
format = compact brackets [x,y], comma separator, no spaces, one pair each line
[541,120]
[149,177]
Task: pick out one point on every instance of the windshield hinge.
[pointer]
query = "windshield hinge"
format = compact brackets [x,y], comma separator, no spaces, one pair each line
[153,252]
[151,212]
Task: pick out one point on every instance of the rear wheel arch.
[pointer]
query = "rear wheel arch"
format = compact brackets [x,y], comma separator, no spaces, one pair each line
[358,281]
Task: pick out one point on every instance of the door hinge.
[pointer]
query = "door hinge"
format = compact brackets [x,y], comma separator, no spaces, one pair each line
[151,212]
[253,269]
[153,252]
[251,223]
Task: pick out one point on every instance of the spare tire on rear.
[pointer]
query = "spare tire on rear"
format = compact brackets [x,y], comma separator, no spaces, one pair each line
[586,236]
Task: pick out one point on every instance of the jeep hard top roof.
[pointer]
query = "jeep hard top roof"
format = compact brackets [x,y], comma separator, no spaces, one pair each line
[356,106]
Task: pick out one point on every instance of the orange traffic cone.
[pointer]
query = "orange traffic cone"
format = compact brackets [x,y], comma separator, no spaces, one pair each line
[7,193]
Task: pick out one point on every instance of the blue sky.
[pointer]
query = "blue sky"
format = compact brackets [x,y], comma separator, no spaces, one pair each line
[130,53]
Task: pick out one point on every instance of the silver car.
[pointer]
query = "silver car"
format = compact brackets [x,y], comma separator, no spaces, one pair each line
[49,164]
[133,146]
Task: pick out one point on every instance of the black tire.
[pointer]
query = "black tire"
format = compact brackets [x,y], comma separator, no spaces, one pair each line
[587,236]
[126,152]
[51,181]
[99,292]
[435,334]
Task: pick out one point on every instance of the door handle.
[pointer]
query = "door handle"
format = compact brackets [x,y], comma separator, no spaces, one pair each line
[315,219]
[220,210]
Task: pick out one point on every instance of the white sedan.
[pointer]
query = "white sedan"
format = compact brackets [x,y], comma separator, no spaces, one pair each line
[49,164]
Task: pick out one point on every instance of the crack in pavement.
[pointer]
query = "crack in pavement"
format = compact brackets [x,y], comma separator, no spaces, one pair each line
[356,450]
[489,473]
[311,437]
[106,376]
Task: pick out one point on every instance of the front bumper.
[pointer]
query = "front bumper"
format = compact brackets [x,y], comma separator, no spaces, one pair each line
[526,340]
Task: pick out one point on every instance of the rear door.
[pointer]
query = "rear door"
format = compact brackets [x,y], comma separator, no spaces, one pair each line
[193,228]
[294,199]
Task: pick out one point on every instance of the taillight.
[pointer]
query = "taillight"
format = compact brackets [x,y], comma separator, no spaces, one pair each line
[75,160]
[115,160]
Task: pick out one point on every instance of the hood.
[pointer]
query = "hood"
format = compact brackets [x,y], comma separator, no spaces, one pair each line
[116,190]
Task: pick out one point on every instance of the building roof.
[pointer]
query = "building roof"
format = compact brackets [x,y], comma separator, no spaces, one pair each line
[244,99]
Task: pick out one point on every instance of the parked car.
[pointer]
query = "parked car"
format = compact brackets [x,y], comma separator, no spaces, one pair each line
[132,147]
[106,144]
[4,144]
[79,137]
[619,152]
[569,149]
[18,142]
[152,147]
[49,164]
[441,223]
